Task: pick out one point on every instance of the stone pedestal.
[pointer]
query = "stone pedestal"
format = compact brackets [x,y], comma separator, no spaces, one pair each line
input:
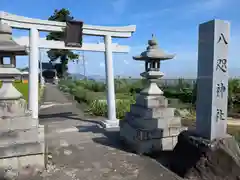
[22,142]
[150,125]
[202,159]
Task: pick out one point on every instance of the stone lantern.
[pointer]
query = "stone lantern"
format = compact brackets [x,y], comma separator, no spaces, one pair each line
[21,138]
[152,57]
[151,125]
[8,72]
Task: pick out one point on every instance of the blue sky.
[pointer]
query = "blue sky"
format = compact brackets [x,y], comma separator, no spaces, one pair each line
[174,22]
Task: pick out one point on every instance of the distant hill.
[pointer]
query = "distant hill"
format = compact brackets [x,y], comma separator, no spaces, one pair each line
[233,73]
[77,76]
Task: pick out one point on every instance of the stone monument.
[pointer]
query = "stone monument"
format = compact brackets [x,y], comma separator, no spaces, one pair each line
[151,125]
[212,87]
[208,152]
[21,137]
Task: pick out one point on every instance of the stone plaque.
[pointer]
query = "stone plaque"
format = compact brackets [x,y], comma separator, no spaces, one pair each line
[212,82]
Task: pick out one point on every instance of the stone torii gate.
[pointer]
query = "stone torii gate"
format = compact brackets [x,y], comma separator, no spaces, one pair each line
[36,25]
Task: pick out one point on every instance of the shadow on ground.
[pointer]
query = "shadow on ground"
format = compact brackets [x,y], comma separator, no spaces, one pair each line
[110,138]
[64,116]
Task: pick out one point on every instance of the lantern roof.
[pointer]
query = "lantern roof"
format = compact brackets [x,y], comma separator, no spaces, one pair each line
[8,46]
[153,52]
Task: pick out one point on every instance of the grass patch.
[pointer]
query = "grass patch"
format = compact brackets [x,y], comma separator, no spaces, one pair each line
[234,131]
[22,88]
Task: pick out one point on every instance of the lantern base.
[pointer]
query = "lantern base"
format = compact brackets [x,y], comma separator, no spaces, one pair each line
[152,90]
[150,125]
[8,91]
[149,141]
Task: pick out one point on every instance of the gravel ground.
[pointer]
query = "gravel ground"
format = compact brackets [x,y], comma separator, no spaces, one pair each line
[79,149]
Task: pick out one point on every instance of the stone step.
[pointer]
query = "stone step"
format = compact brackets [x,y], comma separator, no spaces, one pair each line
[21,163]
[147,141]
[148,113]
[22,122]
[156,123]
[19,136]
[24,149]
[173,131]
[151,101]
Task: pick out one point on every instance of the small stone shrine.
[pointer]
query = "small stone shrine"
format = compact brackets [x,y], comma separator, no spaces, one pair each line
[49,72]
[21,137]
[151,125]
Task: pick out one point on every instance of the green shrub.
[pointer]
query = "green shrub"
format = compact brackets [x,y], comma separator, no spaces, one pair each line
[100,107]
[64,88]
[91,85]
[122,107]
[89,90]
[185,96]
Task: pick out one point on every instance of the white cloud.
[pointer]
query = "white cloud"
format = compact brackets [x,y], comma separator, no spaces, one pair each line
[126,61]
[102,64]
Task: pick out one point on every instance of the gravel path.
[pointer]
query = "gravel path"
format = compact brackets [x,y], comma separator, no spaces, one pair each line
[81,150]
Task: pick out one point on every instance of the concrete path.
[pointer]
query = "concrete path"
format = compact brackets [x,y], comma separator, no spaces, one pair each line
[81,150]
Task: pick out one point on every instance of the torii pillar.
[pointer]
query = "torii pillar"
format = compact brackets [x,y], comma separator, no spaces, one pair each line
[33,73]
[35,25]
